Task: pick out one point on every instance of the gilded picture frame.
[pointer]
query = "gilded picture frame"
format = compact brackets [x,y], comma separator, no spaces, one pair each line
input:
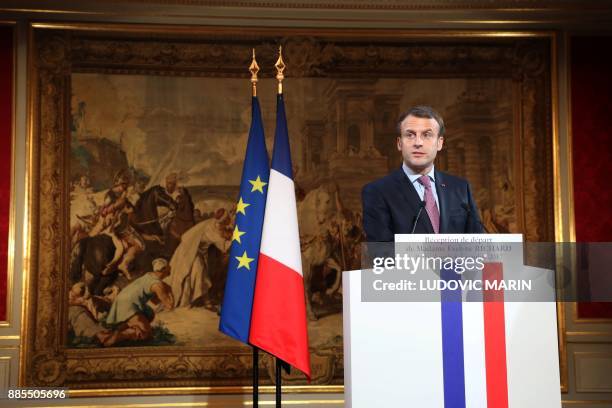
[520,63]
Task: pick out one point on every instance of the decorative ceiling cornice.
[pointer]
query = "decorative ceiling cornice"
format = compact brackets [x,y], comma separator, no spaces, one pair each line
[586,15]
[391,4]
[424,5]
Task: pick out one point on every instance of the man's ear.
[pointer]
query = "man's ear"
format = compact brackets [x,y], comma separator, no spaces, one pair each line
[399,143]
[440,142]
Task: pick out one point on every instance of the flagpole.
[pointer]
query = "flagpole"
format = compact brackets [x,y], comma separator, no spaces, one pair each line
[254,69]
[278,384]
[255,376]
[280,67]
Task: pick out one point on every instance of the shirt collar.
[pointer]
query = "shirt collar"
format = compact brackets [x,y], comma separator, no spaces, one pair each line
[415,176]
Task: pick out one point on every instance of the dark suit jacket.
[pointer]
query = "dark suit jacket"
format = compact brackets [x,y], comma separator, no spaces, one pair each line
[391,204]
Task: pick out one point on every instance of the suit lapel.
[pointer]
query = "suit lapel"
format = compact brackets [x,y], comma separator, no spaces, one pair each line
[443,197]
[412,199]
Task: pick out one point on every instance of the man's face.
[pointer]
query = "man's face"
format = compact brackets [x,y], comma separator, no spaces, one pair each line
[120,188]
[171,185]
[419,143]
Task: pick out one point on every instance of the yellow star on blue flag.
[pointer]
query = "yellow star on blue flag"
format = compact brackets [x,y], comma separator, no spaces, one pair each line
[258,185]
[237,234]
[241,206]
[244,261]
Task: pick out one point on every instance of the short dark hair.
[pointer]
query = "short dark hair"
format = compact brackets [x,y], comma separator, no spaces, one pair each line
[422,111]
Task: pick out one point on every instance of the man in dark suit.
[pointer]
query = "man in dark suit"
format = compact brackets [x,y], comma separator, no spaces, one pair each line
[417,198]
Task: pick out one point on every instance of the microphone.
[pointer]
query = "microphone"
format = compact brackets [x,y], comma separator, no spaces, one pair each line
[421,206]
[469,214]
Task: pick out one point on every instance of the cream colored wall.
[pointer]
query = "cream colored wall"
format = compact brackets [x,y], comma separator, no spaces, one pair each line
[588,345]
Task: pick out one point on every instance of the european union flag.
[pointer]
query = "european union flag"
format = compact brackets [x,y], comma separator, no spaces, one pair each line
[244,251]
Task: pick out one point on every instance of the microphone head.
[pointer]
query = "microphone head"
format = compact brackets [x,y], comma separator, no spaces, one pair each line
[421,204]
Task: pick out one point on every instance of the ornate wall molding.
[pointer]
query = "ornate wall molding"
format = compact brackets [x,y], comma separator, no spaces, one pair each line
[309,56]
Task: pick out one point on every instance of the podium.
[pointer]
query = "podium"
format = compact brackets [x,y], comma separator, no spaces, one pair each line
[460,354]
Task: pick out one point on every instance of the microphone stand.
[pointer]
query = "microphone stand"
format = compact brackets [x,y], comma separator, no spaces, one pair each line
[416,220]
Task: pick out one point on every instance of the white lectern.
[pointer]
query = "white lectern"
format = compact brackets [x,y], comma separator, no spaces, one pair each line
[400,354]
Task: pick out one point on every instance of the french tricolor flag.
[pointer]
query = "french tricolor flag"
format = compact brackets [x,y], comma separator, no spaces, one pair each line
[278,320]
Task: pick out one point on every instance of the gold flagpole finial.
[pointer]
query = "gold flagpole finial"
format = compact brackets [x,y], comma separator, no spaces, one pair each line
[280,67]
[254,69]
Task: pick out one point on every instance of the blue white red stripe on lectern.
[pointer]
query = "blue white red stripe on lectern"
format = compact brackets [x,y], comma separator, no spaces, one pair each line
[495,339]
[493,348]
[452,343]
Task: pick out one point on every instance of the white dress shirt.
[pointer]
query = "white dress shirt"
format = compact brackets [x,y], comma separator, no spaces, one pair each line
[420,189]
